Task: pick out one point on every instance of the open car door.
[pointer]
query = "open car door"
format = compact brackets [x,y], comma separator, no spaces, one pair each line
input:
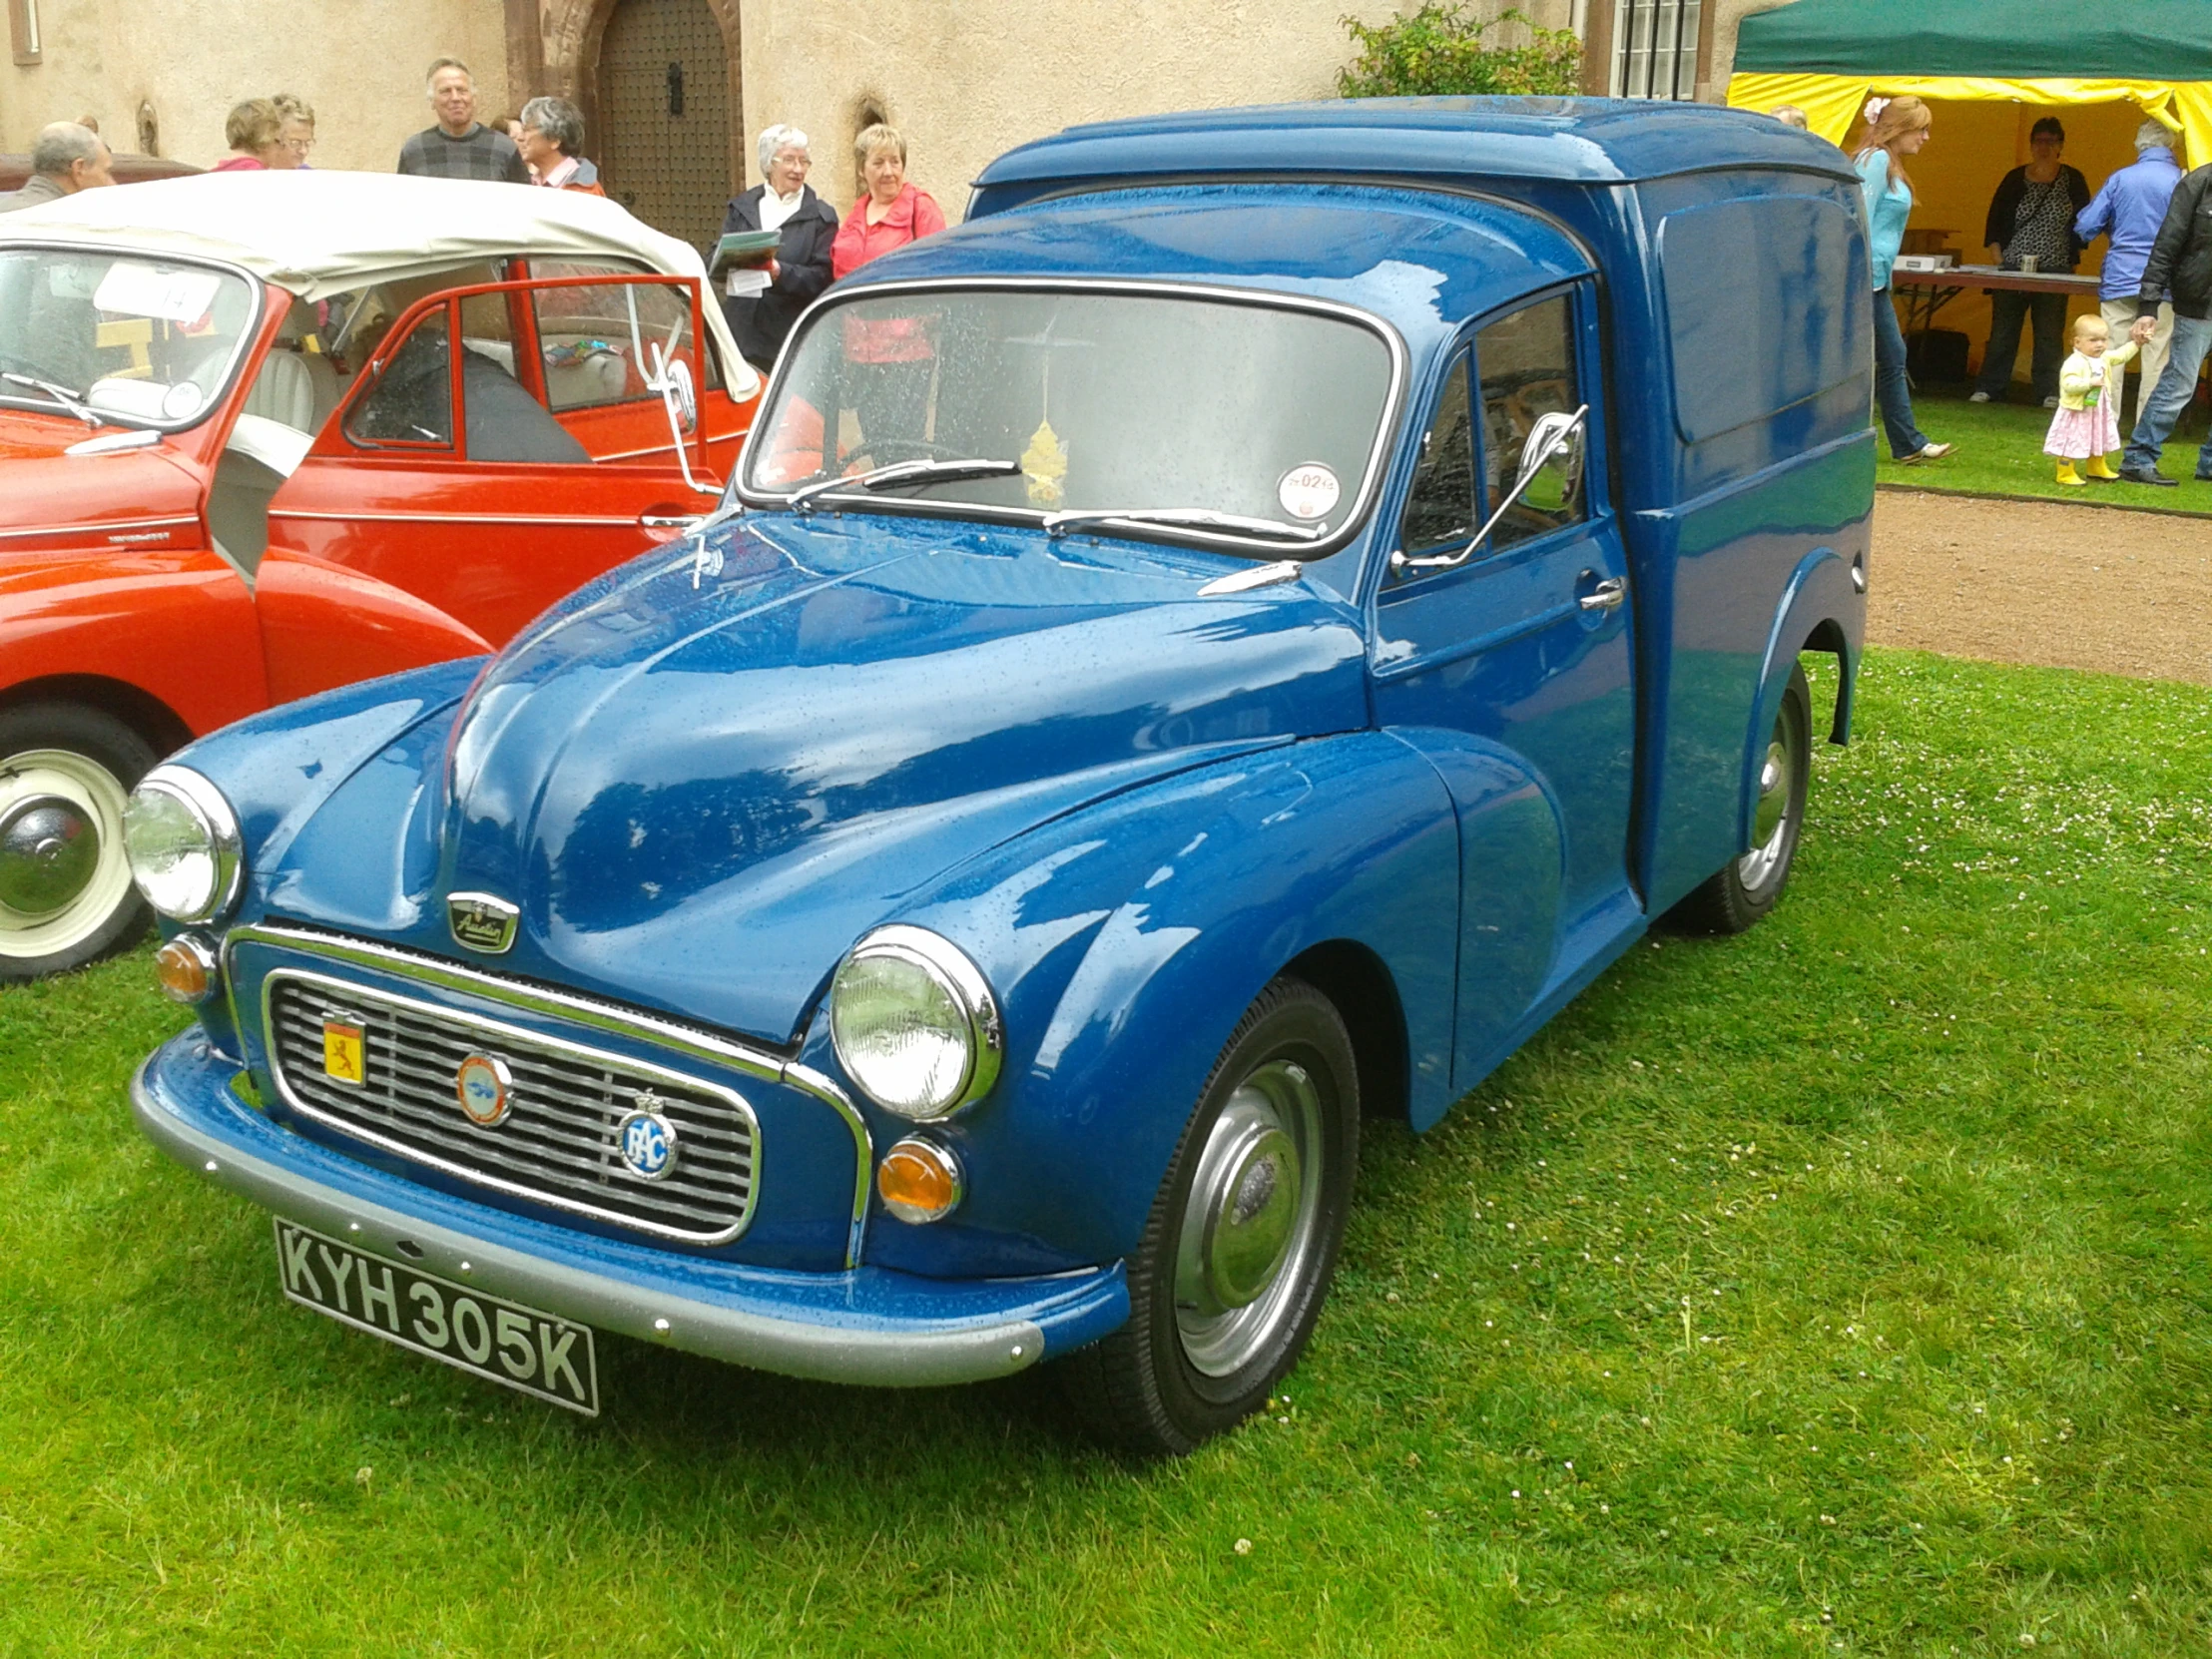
[505,443]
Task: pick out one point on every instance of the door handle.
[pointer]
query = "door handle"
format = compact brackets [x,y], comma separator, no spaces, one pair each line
[1607,594]
[671,521]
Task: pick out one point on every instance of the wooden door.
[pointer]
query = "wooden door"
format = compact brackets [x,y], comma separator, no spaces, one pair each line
[666,106]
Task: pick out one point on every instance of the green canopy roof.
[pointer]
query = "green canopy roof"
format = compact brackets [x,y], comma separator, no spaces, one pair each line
[2159,41]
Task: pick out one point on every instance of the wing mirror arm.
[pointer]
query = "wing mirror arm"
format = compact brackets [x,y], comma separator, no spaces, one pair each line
[1546,438]
[680,402]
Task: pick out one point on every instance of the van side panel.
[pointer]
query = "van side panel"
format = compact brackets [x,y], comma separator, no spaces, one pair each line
[1712,579]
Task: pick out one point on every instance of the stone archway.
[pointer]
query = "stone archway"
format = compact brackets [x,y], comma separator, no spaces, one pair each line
[675,171]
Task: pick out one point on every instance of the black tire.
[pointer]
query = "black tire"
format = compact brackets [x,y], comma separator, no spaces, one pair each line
[1176,1375]
[1743,891]
[63,771]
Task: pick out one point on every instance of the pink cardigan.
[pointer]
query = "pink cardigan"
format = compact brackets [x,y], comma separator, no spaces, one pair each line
[913,215]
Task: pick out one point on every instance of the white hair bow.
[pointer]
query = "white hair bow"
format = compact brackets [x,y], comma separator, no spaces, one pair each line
[1875,107]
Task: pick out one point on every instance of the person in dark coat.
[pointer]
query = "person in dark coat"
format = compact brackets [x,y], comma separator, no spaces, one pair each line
[2180,264]
[788,204]
[2031,216]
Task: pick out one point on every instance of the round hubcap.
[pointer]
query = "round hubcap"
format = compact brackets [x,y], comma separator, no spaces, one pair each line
[1249,1222]
[1770,819]
[63,870]
[49,849]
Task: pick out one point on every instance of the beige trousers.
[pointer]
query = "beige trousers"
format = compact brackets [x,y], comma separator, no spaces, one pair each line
[2119,316]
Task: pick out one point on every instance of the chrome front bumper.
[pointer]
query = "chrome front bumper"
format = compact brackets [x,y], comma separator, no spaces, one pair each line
[866,1324]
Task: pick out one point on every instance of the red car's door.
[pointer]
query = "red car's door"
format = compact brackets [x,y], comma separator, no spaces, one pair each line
[458,492]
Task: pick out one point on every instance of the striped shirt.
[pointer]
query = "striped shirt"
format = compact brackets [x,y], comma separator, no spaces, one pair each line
[479,153]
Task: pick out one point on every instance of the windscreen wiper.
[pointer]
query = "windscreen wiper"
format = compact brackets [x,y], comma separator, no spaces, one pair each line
[69,400]
[1194,518]
[901,472]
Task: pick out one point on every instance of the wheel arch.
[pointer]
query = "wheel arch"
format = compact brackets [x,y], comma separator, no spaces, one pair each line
[1365,994]
[1150,924]
[143,712]
[1822,608]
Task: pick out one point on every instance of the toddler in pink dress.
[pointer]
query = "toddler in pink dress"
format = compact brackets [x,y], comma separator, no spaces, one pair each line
[2088,425]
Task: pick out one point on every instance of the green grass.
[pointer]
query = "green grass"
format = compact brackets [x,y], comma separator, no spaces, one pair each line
[1844,1288]
[2001,452]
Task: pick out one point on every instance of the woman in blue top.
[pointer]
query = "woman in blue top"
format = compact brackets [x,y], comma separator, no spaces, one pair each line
[1897,131]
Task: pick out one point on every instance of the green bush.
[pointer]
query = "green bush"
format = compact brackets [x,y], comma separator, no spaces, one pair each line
[1438,51]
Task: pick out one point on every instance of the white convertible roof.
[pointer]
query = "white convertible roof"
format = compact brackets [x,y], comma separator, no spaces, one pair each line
[318,233]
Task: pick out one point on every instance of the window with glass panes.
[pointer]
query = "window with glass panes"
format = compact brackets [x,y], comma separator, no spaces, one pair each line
[1654,49]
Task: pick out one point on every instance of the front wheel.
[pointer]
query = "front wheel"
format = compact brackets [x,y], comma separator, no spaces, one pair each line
[1745,889]
[1242,1241]
[65,884]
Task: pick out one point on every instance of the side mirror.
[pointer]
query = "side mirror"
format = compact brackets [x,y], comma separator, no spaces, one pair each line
[1553,432]
[1552,435]
[672,378]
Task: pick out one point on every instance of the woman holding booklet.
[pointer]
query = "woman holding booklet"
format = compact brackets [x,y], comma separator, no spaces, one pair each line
[762,300]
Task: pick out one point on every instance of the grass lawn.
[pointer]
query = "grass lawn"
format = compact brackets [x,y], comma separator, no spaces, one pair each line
[2001,452]
[1846,1288]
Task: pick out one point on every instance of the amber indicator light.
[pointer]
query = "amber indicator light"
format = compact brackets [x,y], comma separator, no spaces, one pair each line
[184,970]
[919,1181]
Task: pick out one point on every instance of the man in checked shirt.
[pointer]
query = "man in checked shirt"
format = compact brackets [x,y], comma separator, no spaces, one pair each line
[457,147]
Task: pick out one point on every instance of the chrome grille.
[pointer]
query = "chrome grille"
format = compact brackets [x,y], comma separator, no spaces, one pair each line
[558,1143]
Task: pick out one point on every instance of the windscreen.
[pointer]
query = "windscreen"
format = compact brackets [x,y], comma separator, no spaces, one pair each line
[139,340]
[1104,401]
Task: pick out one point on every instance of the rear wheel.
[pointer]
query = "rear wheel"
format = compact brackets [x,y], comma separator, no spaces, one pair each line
[1746,887]
[65,886]
[1243,1236]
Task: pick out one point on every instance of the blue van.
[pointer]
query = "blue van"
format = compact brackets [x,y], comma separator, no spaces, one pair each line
[1223,643]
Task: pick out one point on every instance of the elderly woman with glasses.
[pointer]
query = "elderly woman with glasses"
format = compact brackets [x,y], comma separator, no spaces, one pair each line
[552,131]
[783,203]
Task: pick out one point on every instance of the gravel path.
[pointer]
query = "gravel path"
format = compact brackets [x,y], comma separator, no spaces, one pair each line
[2054,584]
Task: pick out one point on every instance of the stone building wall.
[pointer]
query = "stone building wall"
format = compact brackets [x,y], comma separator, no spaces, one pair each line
[360,64]
[965,82]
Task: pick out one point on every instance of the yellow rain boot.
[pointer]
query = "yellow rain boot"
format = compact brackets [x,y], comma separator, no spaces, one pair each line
[2066,473]
[2101,466]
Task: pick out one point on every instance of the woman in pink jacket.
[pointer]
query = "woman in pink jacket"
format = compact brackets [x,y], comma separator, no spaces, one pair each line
[892,214]
[891,400]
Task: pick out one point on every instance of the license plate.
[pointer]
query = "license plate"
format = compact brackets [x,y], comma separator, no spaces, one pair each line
[541,1355]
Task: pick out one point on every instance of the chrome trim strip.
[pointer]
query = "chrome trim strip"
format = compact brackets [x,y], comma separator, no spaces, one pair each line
[517,1037]
[692,1041]
[901,1358]
[1370,483]
[99,529]
[453,518]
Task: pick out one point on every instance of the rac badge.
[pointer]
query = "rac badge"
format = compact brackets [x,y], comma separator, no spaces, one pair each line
[479,921]
[485,1088]
[646,1141]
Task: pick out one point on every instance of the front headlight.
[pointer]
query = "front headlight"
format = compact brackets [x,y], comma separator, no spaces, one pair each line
[915,1023]
[187,855]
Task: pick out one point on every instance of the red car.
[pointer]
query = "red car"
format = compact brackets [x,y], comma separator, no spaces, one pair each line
[266,433]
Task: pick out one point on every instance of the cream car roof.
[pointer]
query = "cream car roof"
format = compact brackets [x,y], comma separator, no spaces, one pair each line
[318,233]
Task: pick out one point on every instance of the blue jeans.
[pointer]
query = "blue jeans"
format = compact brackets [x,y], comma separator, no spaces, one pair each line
[2162,406]
[1891,391]
[2008,308]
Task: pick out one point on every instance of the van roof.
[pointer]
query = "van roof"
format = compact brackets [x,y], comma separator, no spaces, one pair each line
[1586,140]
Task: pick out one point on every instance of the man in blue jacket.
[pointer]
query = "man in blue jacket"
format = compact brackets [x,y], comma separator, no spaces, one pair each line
[2129,208]
[2181,262]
